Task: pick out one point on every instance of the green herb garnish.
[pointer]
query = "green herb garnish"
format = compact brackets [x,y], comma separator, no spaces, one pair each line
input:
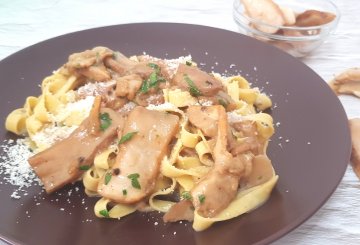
[154,79]
[124,192]
[154,66]
[144,87]
[105,121]
[84,167]
[186,195]
[104,213]
[194,91]
[201,198]
[188,63]
[134,180]
[107,178]
[127,137]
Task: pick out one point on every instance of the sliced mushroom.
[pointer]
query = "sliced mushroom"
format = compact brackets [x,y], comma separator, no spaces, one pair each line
[64,162]
[90,63]
[196,81]
[355,140]
[347,82]
[139,158]
[127,86]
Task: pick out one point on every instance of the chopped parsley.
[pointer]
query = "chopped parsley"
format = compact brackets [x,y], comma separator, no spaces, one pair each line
[104,213]
[134,180]
[194,91]
[84,167]
[105,121]
[154,79]
[127,137]
[124,192]
[107,178]
[201,198]
[186,195]
[144,87]
[154,66]
[188,63]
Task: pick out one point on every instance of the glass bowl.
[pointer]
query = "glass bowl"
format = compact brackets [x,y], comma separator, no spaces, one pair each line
[297,41]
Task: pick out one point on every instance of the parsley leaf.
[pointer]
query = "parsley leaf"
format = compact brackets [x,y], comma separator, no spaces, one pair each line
[127,137]
[186,195]
[84,167]
[154,79]
[104,213]
[105,121]
[194,91]
[154,66]
[134,180]
[188,63]
[201,198]
[124,192]
[107,178]
[144,87]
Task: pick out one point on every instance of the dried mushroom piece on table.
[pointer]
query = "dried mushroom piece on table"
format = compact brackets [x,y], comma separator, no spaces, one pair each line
[347,82]
[355,140]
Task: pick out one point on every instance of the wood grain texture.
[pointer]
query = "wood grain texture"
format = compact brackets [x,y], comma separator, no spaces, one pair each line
[23,23]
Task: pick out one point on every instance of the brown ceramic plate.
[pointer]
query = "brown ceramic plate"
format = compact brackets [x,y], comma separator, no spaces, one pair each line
[304,105]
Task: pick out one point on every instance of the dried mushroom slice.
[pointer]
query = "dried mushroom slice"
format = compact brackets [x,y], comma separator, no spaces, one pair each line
[314,18]
[347,82]
[355,140]
[265,11]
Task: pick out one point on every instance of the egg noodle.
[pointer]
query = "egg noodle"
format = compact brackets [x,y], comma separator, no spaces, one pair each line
[67,97]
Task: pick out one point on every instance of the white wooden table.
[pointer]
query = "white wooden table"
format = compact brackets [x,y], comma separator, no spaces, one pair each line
[23,23]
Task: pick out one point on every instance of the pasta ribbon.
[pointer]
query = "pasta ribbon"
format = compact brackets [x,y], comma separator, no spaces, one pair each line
[16,121]
[188,139]
[103,159]
[102,210]
[161,205]
[179,98]
[245,201]
[264,123]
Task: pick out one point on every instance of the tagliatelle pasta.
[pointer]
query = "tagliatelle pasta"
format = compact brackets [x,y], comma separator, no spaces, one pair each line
[146,134]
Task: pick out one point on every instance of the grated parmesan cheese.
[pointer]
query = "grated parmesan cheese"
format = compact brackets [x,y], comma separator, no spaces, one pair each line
[81,108]
[94,89]
[72,113]
[171,64]
[15,168]
[165,106]
[204,102]
[127,107]
[234,117]
[51,134]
